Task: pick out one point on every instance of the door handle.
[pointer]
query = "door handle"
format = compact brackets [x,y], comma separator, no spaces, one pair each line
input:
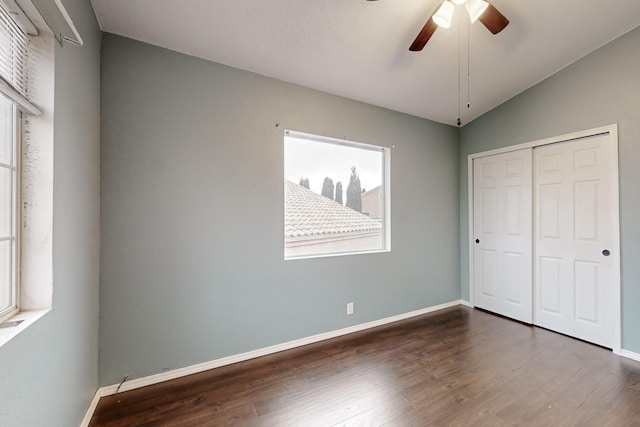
[606,252]
[477,240]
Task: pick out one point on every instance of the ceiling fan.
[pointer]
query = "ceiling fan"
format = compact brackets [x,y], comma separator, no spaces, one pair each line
[441,17]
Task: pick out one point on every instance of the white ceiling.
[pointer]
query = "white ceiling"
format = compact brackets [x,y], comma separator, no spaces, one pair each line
[359,49]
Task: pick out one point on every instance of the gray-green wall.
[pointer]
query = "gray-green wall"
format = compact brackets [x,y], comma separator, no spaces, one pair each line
[192,214]
[49,372]
[601,89]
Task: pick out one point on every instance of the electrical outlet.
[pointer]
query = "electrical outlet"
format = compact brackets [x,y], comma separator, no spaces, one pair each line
[350,308]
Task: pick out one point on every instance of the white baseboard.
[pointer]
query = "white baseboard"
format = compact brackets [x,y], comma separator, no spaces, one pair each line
[466,303]
[194,369]
[92,408]
[630,355]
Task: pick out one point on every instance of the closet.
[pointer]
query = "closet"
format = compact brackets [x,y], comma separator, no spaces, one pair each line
[544,231]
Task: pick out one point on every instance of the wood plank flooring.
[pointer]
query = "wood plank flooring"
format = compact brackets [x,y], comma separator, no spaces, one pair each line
[455,367]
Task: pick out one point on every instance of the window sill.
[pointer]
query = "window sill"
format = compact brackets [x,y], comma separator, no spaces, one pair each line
[327,255]
[25,319]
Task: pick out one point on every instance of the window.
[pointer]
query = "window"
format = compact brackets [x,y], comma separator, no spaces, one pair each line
[13,53]
[336,197]
[8,208]
[26,170]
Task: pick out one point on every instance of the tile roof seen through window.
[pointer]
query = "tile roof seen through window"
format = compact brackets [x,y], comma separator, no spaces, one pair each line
[309,214]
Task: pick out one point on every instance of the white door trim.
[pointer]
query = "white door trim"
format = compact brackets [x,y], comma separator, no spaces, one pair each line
[609,129]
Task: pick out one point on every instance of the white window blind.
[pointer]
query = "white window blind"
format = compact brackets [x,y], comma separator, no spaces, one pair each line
[14,56]
[13,52]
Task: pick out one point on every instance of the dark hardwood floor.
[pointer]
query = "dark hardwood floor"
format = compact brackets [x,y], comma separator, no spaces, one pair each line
[459,367]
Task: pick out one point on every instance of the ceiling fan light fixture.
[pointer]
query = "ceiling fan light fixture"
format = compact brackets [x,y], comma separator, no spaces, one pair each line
[459,2]
[476,8]
[444,15]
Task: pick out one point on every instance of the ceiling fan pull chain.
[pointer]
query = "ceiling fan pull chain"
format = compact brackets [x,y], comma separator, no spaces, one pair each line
[468,66]
[459,78]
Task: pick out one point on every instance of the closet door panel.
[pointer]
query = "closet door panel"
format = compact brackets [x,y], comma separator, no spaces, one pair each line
[502,234]
[574,272]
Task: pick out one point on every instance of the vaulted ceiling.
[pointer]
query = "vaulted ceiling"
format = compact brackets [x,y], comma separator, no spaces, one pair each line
[359,49]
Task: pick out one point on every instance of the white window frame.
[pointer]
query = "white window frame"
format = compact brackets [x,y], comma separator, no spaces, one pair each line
[14,166]
[385,193]
[33,104]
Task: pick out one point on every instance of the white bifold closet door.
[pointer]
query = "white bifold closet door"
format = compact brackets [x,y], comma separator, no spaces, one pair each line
[502,257]
[576,257]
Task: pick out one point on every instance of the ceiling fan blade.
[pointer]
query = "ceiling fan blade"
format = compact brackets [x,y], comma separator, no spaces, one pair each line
[493,19]
[425,34]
